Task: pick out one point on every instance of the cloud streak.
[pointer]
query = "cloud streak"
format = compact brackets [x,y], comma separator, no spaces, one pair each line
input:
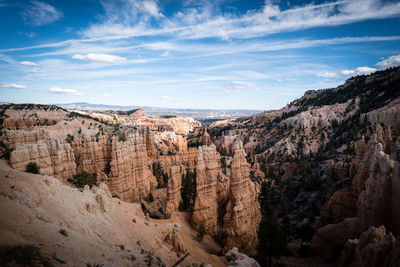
[12,85]
[28,63]
[59,90]
[204,22]
[40,13]
[102,58]
[239,85]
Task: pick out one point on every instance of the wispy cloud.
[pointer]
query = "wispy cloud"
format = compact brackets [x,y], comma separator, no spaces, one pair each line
[170,98]
[28,63]
[129,19]
[103,58]
[59,90]
[239,85]
[40,13]
[12,85]
[392,61]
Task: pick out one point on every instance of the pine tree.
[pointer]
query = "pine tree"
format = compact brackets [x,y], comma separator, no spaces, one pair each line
[188,190]
[271,237]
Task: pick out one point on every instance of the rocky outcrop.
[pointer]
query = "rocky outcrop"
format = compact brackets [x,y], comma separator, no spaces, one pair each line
[375,247]
[208,168]
[329,240]
[130,177]
[102,199]
[374,203]
[173,190]
[121,163]
[243,210]
[373,197]
[92,154]
[13,137]
[340,206]
[236,258]
[171,235]
[185,159]
[54,158]
[27,116]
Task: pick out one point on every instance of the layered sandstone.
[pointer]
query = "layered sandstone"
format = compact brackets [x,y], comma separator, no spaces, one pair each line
[122,164]
[208,168]
[130,176]
[53,157]
[173,190]
[243,210]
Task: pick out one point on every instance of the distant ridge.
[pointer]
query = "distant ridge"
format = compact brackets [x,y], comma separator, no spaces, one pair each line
[195,113]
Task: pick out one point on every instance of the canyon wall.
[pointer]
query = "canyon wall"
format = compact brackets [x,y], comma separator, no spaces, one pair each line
[122,163]
[372,200]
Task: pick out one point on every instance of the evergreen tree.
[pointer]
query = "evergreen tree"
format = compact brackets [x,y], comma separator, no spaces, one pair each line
[271,237]
[188,190]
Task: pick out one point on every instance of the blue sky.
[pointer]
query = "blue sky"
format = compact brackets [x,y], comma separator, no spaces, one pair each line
[190,54]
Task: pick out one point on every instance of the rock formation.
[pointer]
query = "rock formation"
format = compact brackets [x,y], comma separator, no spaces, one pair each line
[208,168]
[239,259]
[243,210]
[102,199]
[375,247]
[54,158]
[173,191]
[121,162]
[130,177]
[373,197]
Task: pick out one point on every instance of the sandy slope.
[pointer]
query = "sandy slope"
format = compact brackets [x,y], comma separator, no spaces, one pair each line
[33,209]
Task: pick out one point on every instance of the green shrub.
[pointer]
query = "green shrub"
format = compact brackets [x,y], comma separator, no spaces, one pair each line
[85,178]
[122,137]
[201,233]
[150,197]
[32,167]
[69,138]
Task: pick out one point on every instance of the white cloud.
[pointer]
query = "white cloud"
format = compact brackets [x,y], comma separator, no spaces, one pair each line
[328,74]
[28,63]
[40,13]
[238,85]
[151,7]
[364,70]
[12,85]
[344,73]
[170,98]
[392,61]
[347,72]
[58,90]
[103,58]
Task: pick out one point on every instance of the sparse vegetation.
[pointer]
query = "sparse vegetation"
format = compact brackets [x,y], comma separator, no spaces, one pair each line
[69,138]
[82,179]
[32,167]
[201,233]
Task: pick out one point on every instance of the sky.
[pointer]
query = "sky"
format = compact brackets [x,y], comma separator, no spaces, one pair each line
[220,54]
